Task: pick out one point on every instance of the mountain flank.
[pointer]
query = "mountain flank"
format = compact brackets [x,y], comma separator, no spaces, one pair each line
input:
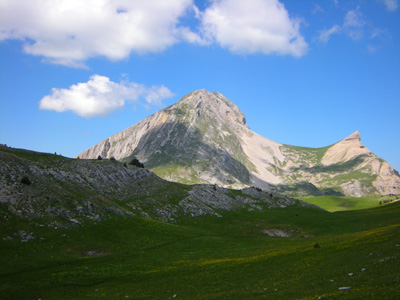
[204,138]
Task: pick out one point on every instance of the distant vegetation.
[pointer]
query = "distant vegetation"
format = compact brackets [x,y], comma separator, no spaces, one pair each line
[137,163]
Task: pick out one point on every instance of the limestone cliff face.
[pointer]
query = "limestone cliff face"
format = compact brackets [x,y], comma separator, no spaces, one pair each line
[204,138]
[345,150]
[194,140]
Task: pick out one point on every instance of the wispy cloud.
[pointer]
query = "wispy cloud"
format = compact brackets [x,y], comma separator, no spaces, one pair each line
[317,9]
[391,5]
[100,96]
[380,33]
[353,18]
[356,27]
[371,49]
[257,26]
[353,26]
[325,34]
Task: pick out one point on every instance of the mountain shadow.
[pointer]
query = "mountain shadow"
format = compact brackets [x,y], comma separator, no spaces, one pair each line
[334,168]
[303,189]
[174,144]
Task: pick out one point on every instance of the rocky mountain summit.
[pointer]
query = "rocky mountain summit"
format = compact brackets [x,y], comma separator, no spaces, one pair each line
[204,138]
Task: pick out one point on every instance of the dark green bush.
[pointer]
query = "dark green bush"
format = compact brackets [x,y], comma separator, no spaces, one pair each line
[25,180]
[137,163]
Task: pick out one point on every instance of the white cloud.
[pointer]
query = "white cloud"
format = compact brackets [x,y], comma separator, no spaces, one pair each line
[353,19]
[156,94]
[68,32]
[325,35]
[353,24]
[391,5]
[191,37]
[254,26]
[100,96]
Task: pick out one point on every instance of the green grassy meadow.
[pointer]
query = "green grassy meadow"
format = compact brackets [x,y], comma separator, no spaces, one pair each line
[208,257]
[337,203]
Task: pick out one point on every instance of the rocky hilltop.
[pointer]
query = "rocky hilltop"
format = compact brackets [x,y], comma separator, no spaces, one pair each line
[204,138]
[63,192]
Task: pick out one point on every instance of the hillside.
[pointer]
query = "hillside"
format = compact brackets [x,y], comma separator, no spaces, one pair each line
[64,191]
[204,138]
[97,229]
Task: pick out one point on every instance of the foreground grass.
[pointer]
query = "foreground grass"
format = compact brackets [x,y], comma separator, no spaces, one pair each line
[209,257]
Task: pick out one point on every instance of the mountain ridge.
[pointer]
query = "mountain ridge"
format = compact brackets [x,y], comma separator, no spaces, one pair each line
[204,138]
[67,192]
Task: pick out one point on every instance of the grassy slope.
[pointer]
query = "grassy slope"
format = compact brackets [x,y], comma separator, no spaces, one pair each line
[336,203]
[208,257]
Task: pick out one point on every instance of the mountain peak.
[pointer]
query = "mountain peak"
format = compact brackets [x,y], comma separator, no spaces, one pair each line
[213,105]
[346,149]
[203,138]
[354,136]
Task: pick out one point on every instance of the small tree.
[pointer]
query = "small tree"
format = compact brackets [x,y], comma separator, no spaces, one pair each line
[99,157]
[137,163]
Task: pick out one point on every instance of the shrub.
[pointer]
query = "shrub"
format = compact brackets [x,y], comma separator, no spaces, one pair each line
[99,157]
[25,180]
[137,163]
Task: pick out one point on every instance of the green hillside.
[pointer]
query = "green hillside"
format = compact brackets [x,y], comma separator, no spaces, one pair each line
[208,257]
[91,229]
[337,203]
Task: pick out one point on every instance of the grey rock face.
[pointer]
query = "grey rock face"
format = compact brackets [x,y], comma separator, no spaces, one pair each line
[204,138]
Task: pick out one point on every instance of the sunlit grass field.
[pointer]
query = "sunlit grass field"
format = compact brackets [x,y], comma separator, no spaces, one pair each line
[357,257]
[336,203]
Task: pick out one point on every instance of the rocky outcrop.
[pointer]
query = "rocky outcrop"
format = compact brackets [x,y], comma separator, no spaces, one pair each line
[204,138]
[66,192]
[345,150]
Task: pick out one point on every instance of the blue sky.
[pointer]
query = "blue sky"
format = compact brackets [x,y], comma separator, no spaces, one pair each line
[305,73]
